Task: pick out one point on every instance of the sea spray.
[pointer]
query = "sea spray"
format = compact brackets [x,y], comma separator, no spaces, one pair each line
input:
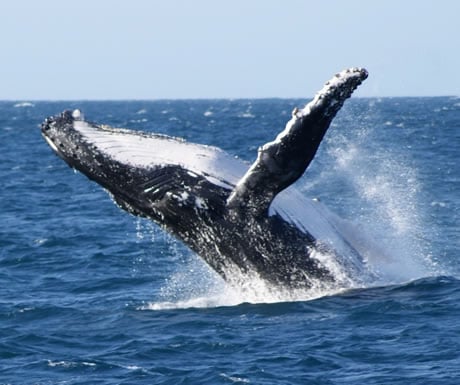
[385,207]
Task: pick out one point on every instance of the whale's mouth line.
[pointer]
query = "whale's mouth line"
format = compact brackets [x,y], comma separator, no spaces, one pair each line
[51,143]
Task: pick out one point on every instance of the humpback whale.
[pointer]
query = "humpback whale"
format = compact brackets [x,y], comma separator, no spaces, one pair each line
[236,218]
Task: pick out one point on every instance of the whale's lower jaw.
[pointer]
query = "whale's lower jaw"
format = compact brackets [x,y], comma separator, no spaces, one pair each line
[210,200]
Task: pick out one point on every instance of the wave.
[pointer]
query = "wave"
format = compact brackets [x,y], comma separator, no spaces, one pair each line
[431,291]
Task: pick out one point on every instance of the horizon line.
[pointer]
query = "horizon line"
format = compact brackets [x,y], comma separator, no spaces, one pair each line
[25,100]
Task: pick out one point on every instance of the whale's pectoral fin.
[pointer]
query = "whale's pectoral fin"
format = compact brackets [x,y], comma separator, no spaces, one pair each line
[281,162]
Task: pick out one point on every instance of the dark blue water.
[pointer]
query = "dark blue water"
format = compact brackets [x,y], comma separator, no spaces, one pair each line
[91,295]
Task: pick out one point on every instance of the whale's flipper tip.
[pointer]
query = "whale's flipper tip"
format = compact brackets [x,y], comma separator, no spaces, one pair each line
[331,97]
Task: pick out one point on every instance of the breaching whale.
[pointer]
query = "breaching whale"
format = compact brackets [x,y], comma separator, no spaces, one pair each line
[241,221]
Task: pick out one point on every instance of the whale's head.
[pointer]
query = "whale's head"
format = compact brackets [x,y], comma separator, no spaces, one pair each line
[67,135]
[59,133]
[143,169]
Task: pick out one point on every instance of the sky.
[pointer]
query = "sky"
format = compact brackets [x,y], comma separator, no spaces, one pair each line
[176,49]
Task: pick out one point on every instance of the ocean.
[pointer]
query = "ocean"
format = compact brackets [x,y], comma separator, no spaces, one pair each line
[92,295]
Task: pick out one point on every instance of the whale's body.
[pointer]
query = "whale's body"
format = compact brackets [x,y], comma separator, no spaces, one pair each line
[236,219]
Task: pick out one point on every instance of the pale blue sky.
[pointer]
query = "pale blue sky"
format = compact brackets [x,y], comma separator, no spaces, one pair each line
[141,49]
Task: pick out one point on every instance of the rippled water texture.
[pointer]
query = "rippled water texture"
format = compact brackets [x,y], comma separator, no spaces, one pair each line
[91,295]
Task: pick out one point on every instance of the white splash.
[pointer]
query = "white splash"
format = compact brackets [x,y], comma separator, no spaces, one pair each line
[388,234]
[194,285]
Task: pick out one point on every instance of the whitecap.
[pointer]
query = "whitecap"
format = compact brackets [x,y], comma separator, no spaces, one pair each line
[235,379]
[24,104]
[69,364]
[246,115]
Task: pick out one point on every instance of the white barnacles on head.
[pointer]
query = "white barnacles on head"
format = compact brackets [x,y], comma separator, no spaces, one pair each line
[77,115]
